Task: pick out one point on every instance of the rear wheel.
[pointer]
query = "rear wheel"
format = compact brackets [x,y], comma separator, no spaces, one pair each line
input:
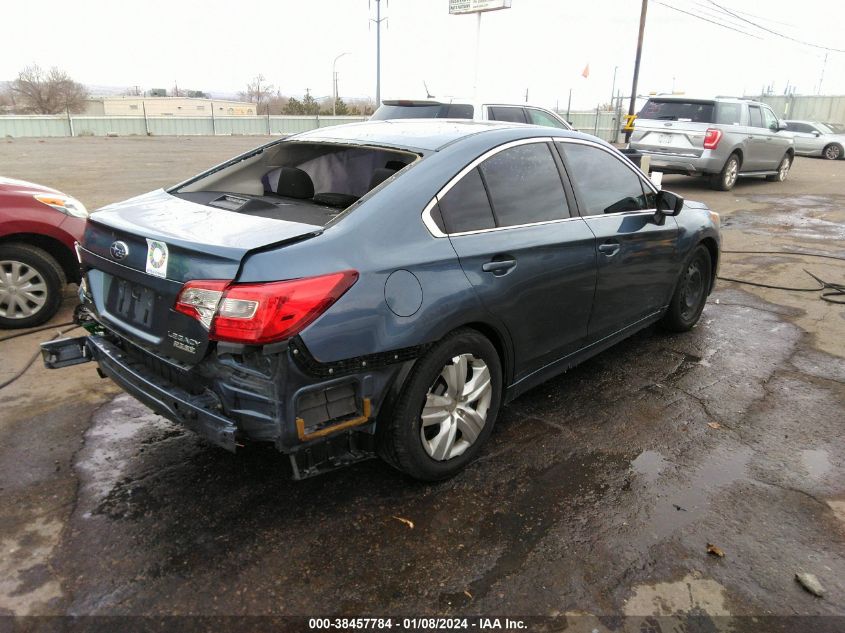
[832,152]
[691,293]
[446,409]
[726,179]
[31,285]
[783,170]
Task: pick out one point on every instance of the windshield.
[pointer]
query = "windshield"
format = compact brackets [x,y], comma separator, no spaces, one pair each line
[423,111]
[824,129]
[677,110]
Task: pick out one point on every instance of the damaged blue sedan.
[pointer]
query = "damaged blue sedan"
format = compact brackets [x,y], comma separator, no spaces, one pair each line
[382,288]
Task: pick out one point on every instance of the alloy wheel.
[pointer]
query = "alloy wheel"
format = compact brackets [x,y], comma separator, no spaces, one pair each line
[731,172]
[23,291]
[832,152]
[456,406]
[783,169]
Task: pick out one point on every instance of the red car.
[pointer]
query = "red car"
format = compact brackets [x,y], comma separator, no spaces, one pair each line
[38,227]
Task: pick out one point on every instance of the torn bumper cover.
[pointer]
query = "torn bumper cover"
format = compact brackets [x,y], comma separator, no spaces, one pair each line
[198,413]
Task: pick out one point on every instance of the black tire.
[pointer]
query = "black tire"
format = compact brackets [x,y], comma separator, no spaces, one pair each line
[726,179]
[783,169]
[30,258]
[691,292]
[832,151]
[401,437]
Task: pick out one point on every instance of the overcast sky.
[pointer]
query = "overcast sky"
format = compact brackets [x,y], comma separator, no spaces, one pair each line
[538,45]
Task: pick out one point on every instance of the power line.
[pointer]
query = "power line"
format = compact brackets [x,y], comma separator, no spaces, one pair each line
[698,17]
[768,30]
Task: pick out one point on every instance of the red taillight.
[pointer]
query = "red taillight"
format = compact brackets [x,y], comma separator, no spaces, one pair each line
[261,313]
[711,138]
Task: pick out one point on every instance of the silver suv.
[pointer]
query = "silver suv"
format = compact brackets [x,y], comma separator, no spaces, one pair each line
[723,138]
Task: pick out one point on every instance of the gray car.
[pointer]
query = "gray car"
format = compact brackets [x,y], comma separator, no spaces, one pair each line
[813,138]
[722,138]
[383,287]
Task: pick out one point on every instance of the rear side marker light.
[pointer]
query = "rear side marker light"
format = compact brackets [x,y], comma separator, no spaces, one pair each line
[711,138]
[261,313]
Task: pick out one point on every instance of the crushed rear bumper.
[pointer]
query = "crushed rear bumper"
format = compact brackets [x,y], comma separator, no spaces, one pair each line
[200,413]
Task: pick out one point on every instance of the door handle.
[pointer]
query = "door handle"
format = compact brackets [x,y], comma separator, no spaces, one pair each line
[498,267]
[609,248]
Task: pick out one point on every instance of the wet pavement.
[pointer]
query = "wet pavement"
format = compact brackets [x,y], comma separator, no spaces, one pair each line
[598,493]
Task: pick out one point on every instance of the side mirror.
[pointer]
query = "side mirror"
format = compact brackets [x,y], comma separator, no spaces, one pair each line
[668,203]
[782,125]
[816,133]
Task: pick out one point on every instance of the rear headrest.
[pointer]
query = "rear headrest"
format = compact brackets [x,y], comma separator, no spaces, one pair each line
[380,175]
[295,183]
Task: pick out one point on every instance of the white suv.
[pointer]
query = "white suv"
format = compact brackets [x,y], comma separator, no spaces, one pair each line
[467,109]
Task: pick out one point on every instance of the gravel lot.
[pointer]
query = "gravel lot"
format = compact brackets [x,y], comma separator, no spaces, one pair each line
[597,495]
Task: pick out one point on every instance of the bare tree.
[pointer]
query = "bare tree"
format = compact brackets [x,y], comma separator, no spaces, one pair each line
[50,92]
[257,91]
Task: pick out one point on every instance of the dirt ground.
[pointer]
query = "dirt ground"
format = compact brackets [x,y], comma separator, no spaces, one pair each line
[596,498]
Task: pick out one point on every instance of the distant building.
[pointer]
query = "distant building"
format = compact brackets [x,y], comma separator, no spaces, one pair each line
[167,106]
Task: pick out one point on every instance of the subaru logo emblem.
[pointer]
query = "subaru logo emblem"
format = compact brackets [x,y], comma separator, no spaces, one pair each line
[119,250]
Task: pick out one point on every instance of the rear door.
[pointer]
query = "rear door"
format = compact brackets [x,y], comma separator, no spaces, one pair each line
[531,261]
[673,126]
[757,156]
[637,258]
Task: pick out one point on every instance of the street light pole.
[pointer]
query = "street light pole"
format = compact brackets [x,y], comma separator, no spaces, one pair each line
[334,84]
[632,106]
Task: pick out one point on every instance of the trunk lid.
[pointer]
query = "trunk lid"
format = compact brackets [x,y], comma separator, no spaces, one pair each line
[136,256]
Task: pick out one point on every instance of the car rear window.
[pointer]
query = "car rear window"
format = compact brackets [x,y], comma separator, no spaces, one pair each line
[423,111]
[678,110]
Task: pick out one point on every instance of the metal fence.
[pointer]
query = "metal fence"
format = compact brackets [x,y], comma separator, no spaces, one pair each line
[807,107]
[44,125]
[36,125]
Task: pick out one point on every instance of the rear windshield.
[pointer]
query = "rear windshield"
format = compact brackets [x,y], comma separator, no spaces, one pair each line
[424,111]
[677,110]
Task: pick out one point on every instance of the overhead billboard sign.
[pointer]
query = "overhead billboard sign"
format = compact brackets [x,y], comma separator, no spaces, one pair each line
[457,7]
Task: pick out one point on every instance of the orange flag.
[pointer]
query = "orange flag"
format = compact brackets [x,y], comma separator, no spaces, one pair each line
[586,72]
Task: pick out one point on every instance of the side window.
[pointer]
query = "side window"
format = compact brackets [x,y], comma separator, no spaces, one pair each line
[458,111]
[756,118]
[505,113]
[538,117]
[466,207]
[729,113]
[770,120]
[603,183]
[799,127]
[524,185]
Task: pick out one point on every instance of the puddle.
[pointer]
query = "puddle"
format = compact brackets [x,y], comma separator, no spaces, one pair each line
[649,464]
[689,500]
[799,217]
[815,462]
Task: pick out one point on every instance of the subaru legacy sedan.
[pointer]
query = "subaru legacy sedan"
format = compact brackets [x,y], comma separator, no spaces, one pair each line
[383,288]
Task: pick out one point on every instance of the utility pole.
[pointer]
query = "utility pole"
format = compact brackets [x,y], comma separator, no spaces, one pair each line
[378,22]
[821,79]
[613,89]
[632,106]
[334,84]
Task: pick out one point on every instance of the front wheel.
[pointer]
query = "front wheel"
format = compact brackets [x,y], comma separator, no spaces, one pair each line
[447,408]
[31,285]
[726,179]
[783,170]
[832,152]
[690,295]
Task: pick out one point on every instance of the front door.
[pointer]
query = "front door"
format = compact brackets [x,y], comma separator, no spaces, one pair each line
[637,258]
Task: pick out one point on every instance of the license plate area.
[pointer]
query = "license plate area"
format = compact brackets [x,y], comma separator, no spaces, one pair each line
[132,303]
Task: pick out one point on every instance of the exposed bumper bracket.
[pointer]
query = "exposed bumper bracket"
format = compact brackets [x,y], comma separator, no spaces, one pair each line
[334,428]
[65,352]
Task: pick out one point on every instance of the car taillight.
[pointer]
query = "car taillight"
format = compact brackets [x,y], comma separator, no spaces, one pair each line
[264,312]
[711,138]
